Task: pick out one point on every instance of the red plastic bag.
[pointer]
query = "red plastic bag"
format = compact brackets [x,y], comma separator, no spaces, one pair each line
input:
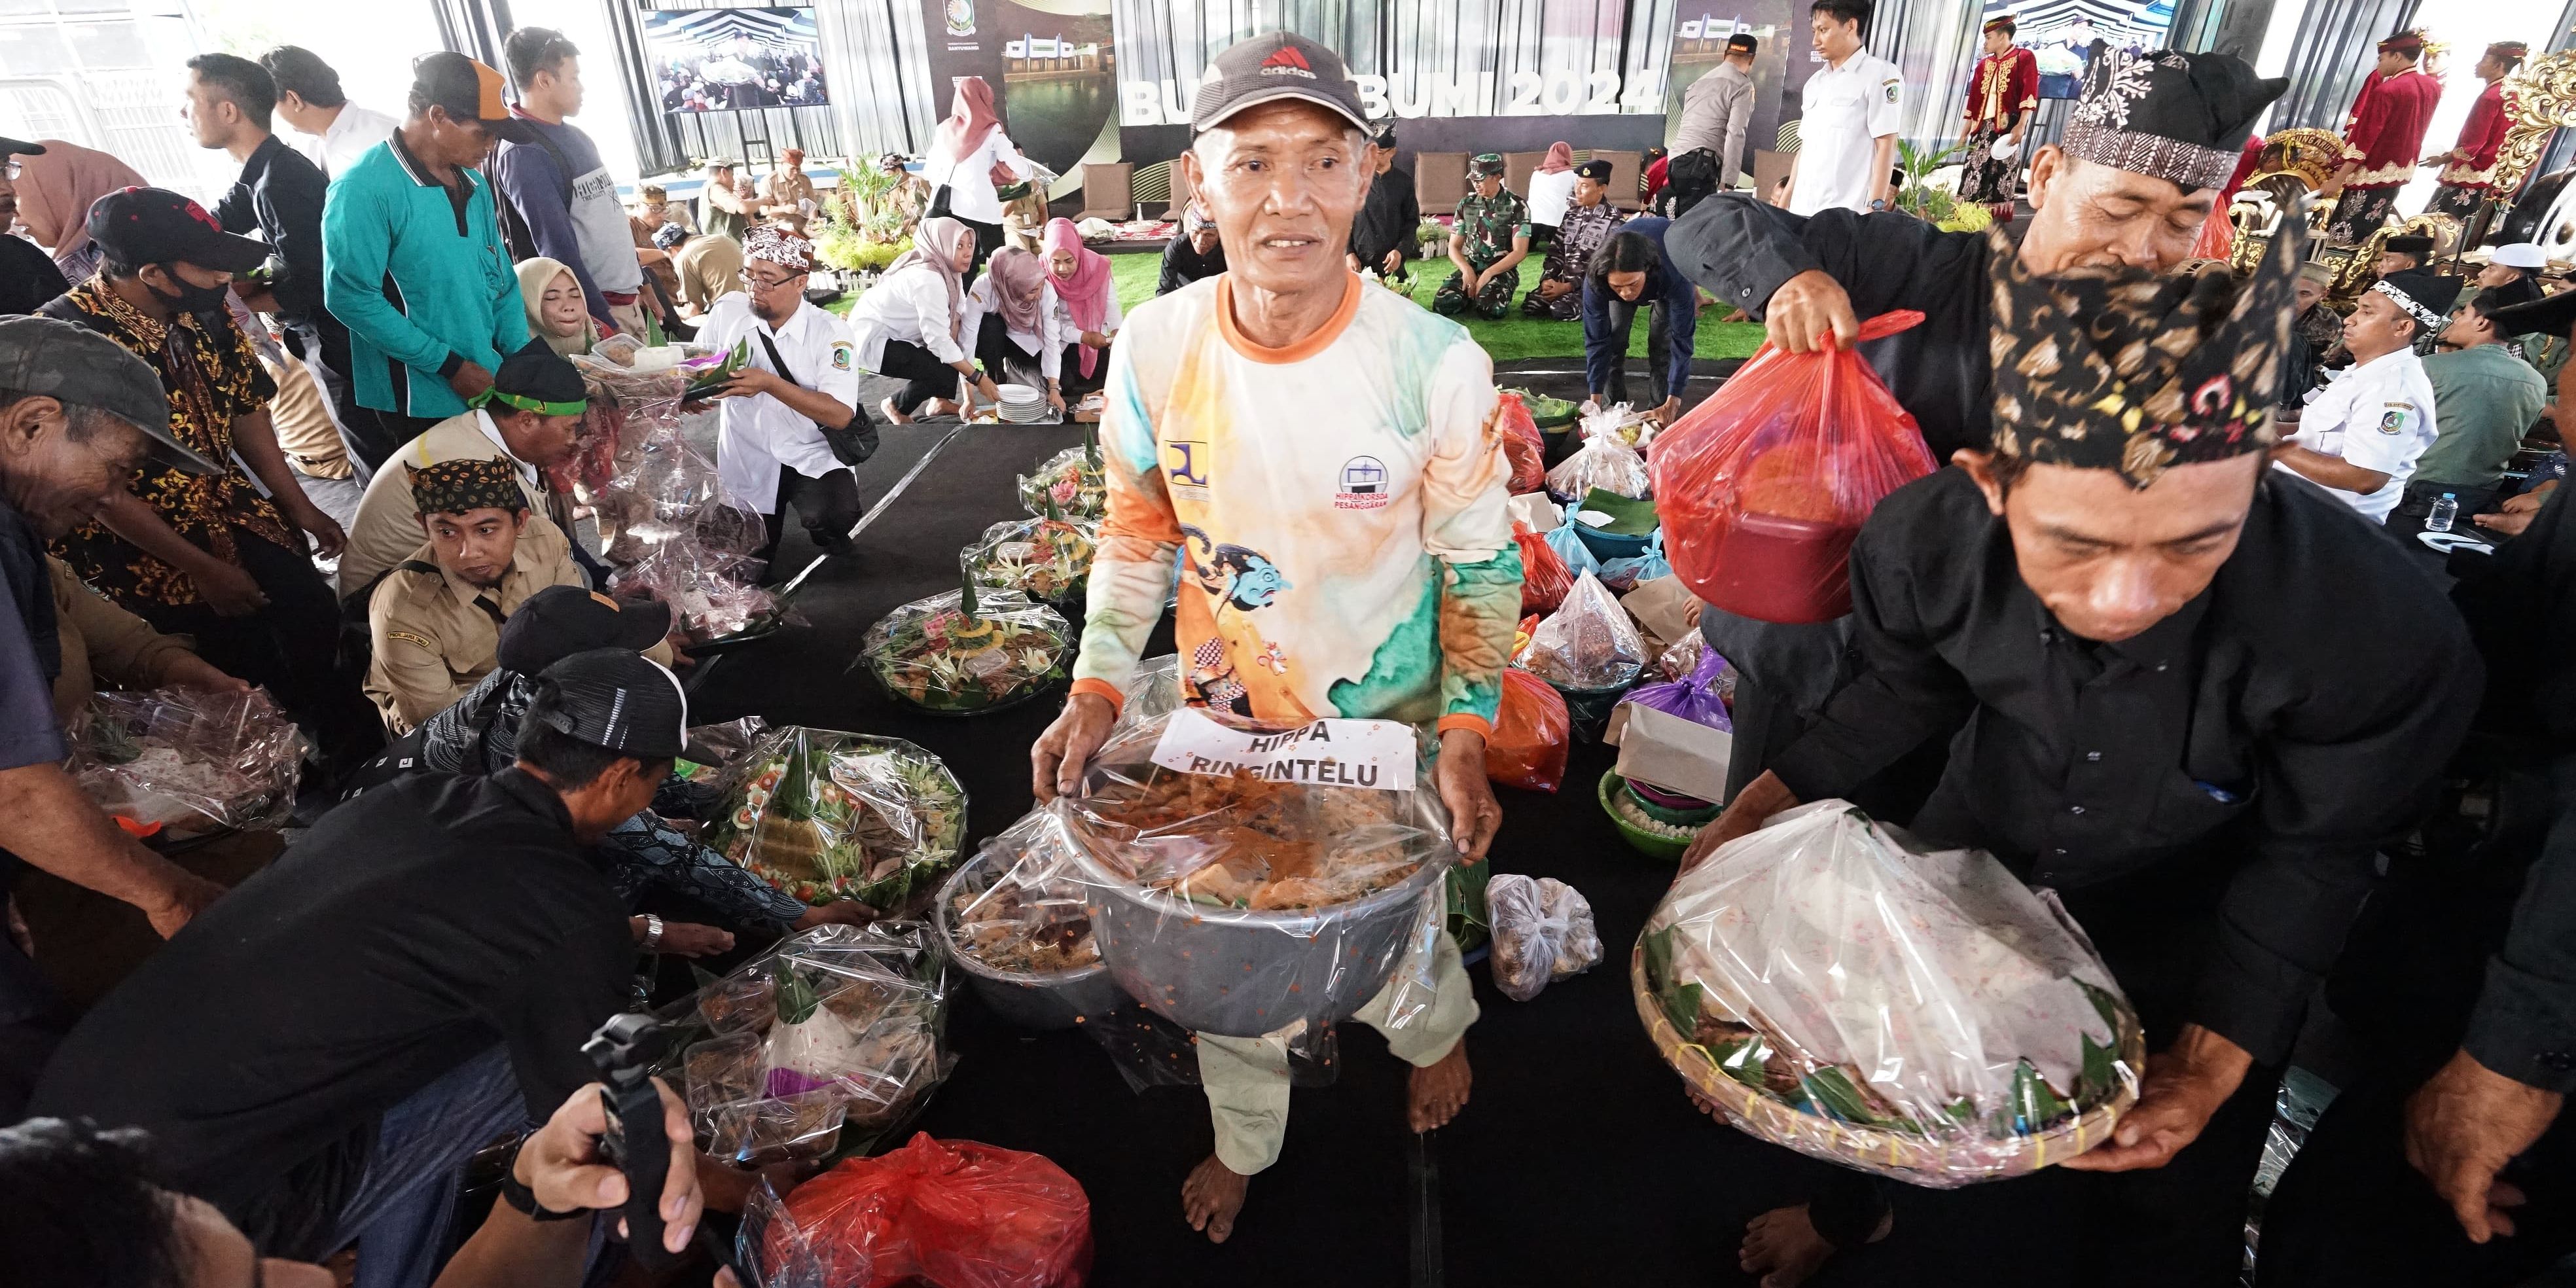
[950,1212]
[1762,487]
[1544,576]
[1527,749]
[1522,446]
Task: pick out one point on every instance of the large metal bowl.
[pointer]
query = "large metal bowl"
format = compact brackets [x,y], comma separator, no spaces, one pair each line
[1239,973]
[1043,1002]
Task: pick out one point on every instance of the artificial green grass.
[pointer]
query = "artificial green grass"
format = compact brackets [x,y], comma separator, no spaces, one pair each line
[1510,340]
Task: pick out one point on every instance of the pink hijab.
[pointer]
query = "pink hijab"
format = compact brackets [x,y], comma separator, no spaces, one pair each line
[55,192]
[1019,287]
[970,118]
[1086,292]
[934,246]
[1560,158]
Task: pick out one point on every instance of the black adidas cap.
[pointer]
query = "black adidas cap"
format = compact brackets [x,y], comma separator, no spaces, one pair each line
[1271,67]
[618,699]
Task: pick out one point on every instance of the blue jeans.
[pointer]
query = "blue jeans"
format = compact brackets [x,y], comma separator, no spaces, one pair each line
[398,1217]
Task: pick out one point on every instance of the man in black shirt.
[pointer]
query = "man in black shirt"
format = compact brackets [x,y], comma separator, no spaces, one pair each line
[2195,698]
[1382,237]
[2146,151]
[320,1059]
[27,274]
[279,194]
[1198,252]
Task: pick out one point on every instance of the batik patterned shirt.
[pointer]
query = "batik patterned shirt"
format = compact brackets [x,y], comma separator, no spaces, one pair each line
[213,378]
[1337,506]
[1578,235]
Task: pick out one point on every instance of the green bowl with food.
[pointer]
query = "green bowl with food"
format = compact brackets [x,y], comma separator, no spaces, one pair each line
[1644,833]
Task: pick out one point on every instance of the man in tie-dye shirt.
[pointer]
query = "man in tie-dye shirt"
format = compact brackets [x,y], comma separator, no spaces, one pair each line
[1324,458]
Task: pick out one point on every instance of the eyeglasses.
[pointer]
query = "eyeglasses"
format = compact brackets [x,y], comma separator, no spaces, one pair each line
[759,283]
[16,168]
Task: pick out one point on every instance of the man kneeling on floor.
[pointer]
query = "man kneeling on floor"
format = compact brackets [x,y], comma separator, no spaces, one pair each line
[1396,579]
[413,980]
[435,621]
[530,422]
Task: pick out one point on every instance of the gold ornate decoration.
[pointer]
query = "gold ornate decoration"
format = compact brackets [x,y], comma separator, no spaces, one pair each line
[2313,155]
[2355,275]
[2538,98]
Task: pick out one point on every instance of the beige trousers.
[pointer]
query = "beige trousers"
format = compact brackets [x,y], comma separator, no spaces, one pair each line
[1246,1079]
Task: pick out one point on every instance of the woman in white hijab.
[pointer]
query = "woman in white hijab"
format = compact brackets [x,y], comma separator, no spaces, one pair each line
[912,325]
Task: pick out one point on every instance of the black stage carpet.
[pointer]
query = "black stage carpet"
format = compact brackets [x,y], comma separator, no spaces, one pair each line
[1578,1160]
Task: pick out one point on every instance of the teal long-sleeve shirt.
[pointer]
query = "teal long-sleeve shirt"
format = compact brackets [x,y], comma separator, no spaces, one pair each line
[419,278]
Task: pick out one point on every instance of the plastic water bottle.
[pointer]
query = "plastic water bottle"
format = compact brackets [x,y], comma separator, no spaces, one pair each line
[2444,510]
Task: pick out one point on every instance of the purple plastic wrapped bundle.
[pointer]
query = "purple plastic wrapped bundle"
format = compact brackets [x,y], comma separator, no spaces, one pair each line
[1700,699]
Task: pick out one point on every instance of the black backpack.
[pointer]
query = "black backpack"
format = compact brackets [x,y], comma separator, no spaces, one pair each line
[1688,180]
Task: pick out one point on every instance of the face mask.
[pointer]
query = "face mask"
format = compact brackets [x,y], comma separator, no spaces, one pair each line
[190,298]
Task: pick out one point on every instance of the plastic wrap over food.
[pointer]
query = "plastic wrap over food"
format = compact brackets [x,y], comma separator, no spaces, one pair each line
[187,762]
[820,1048]
[1543,932]
[1544,576]
[627,406]
[713,596]
[773,1251]
[1589,643]
[1532,735]
[1042,558]
[1523,449]
[1678,661]
[1153,692]
[1701,697]
[1619,423]
[1604,463]
[960,655]
[1921,1015]
[1244,876]
[1072,479]
[956,1213]
[825,815]
[1014,918]
[1763,487]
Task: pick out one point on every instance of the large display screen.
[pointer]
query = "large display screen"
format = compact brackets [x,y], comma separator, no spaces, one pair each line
[726,60]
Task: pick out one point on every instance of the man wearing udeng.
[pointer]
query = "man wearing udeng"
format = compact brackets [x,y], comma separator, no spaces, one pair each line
[1326,457]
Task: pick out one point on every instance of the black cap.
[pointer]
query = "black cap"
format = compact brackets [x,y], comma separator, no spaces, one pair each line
[2414,244]
[2421,294]
[138,226]
[2550,315]
[1742,41]
[1269,68]
[539,379]
[1596,170]
[469,91]
[559,621]
[2513,294]
[2179,117]
[20,148]
[615,698]
[70,362]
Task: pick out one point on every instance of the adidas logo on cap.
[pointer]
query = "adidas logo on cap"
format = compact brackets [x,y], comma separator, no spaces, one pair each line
[1286,61]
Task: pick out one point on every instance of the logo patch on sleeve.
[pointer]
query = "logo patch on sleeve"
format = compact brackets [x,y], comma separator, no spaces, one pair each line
[2392,422]
[840,355]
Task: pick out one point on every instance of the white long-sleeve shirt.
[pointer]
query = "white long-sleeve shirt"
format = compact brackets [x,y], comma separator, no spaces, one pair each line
[1046,345]
[970,178]
[351,133]
[759,434]
[911,305]
[1549,195]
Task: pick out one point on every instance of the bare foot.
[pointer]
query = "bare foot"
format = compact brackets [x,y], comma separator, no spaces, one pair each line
[1783,1247]
[1439,1091]
[886,405]
[1211,1198]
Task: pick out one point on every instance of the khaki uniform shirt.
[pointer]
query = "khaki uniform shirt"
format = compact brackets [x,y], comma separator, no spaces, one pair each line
[435,635]
[103,642]
[387,527]
[302,417]
[710,268]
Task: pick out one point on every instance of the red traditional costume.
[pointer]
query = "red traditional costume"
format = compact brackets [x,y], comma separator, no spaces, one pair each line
[2001,91]
[2469,178]
[2384,136]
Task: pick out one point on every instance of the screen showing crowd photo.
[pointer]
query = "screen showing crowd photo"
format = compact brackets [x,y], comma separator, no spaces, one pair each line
[725,60]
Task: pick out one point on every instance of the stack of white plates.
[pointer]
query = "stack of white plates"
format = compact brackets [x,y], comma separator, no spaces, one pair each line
[1023,405]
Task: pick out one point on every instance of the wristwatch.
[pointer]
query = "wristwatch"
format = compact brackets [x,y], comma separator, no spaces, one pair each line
[525,1199]
[652,933]
[1878,203]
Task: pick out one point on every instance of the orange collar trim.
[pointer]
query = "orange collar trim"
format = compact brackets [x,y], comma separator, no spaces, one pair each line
[1316,343]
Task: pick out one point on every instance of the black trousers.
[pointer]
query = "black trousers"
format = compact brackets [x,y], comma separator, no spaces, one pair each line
[391,429]
[2417,505]
[1074,383]
[1002,358]
[828,505]
[1659,351]
[925,376]
[291,648]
